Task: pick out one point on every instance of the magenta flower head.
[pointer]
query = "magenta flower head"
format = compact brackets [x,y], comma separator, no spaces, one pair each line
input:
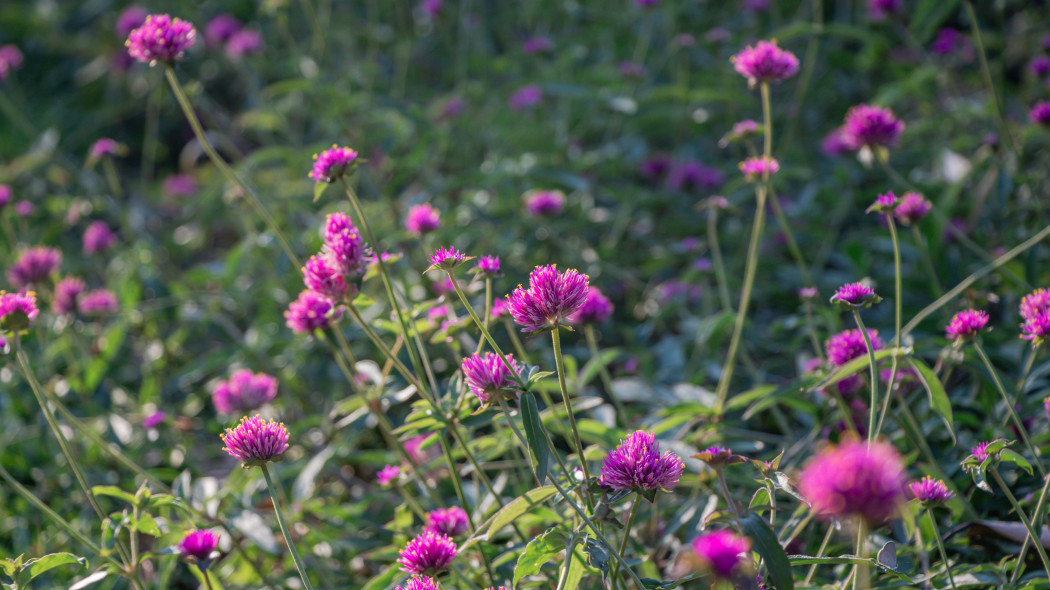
[333,163]
[388,475]
[67,291]
[179,185]
[884,203]
[536,45]
[855,296]
[980,451]
[871,126]
[24,208]
[220,29]
[637,465]
[96,303]
[199,546]
[500,308]
[130,19]
[759,168]
[447,258]
[692,175]
[525,97]
[1037,329]
[422,219]
[256,441]
[808,293]
[849,344]
[344,248]
[966,324]
[855,479]
[719,457]
[419,583]
[1039,66]
[596,308]
[17,311]
[104,146]
[487,266]
[551,298]
[1040,113]
[311,311]
[450,522]
[722,553]
[912,208]
[487,375]
[765,62]
[5,195]
[10,60]
[154,420]
[35,265]
[930,491]
[161,38]
[321,275]
[244,42]
[245,391]
[835,143]
[879,9]
[1035,304]
[98,237]
[428,554]
[543,203]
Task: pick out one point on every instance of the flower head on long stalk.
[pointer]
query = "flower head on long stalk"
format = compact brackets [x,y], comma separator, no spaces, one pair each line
[550,299]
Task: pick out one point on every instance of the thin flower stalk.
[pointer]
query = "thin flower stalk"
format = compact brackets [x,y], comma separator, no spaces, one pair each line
[920,244]
[792,243]
[986,72]
[1040,508]
[488,313]
[716,259]
[1018,423]
[284,527]
[1033,535]
[861,575]
[559,361]
[874,374]
[940,547]
[615,575]
[454,476]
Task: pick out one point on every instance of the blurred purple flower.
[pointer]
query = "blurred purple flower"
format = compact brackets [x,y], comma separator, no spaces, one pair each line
[537,44]
[333,163]
[836,143]
[388,475]
[160,38]
[912,208]
[450,522]
[180,185]
[879,9]
[525,97]
[1039,66]
[98,237]
[244,391]
[97,303]
[930,491]
[765,62]
[130,19]
[321,275]
[722,553]
[311,311]
[544,203]
[692,175]
[154,420]
[10,60]
[849,344]
[872,126]
[966,324]
[104,146]
[655,167]
[5,195]
[1040,113]
[24,208]
[199,544]
[17,311]
[629,69]
[759,168]
[244,42]
[422,219]
[67,291]
[431,8]
[596,308]
[855,478]
[221,29]
[488,266]
[34,265]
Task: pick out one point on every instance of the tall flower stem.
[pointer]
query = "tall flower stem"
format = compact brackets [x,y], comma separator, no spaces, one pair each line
[874,374]
[603,373]
[1024,518]
[207,578]
[284,527]
[811,329]
[515,341]
[1009,407]
[920,243]
[389,354]
[861,577]
[488,312]
[559,361]
[978,42]
[458,486]
[1022,381]
[411,502]
[615,577]
[898,290]
[940,547]
[484,329]
[716,258]
[225,168]
[1036,518]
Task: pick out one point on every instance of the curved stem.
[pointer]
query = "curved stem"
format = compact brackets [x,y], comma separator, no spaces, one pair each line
[207,578]
[874,374]
[940,547]
[284,527]
[897,282]
[615,577]
[1037,518]
[559,361]
[861,577]
[488,312]
[716,258]
[400,366]
[987,73]
[1021,430]
[1036,541]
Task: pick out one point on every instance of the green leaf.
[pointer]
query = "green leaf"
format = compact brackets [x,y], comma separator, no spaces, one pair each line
[35,567]
[147,525]
[855,365]
[1011,456]
[767,545]
[530,416]
[115,492]
[593,366]
[11,566]
[384,580]
[576,569]
[938,397]
[319,189]
[538,552]
[597,556]
[845,559]
[509,513]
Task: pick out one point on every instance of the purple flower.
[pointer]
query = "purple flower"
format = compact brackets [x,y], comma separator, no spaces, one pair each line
[422,219]
[966,324]
[488,266]
[1046,407]
[154,420]
[912,208]
[1040,113]
[722,553]
[884,203]
[388,475]
[1035,304]
[655,167]
[428,554]
[431,8]
[447,258]
[718,457]
[311,311]
[450,522]
[500,308]
[320,275]
[854,295]
[878,9]
[759,168]
[180,185]
[199,544]
[10,60]
[537,44]
[344,248]
[333,163]
[636,464]
[872,126]
[5,195]
[220,29]
[35,265]
[550,299]
[160,38]
[930,491]
[980,451]
[836,143]
[488,375]
[1036,328]
[17,311]
[24,208]
[765,62]
[629,69]
[808,293]
[692,175]
[683,40]
[255,441]
[1040,65]
[525,97]
[245,391]
[419,583]
[544,203]
[855,478]
[849,344]
[97,303]
[596,308]
[98,237]
[950,41]
[130,19]
[244,42]
[740,130]
[104,146]
[450,108]
[67,291]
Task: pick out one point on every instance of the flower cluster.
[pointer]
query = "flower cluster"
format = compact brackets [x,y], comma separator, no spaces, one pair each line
[333,163]
[871,126]
[255,441]
[422,219]
[636,464]
[428,554]
[765,62]
[551,298]
[161,38]
[966,324]
[544,203]
[488,375]
[244,391]
[855,478]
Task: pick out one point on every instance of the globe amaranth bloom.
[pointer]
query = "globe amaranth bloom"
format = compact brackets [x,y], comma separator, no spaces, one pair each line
[310,311]
[343,247]
[154,419]
[419,583]
[220,29]
[912,208]
[104,146]
[544,203]
[387,475]
[636,464]
[722,553]
[35,265]
[689,175]
[10,60]
[447,258]
[879,9]
[199,544]
[884,203]
[333,163]
[244,391]
[244,42]
[98,237]
[872,126]
[487,375]
[759,168]
[320,275]
[161,38]
[808,293]
[255,441]
[1039,66]
[98,303]
[596,308]
[17,310]
[428,554]
[930,491]
[6,194]
[24,208]
[718,457]
[855,478]
[450,522]
[1035,304]
[835,143]
[487,266]
[130,19]
[980,451]
[966,324]
[849,344]
[1040,113]
[422,219]
[67,291]
[855,295]
[500,308]
[551,298]
[179,185]
[765,62]
[536,45]
[655,167]
[525,97]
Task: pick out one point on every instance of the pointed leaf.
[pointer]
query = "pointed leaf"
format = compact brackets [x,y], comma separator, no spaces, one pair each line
[509,513]
[35,567]
[538,552]
[530,416]
[938,396]
[767,545]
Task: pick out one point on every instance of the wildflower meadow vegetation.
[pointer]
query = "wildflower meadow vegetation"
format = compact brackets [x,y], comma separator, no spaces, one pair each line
[550,294]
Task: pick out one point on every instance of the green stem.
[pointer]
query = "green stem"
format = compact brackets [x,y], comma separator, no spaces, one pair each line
[874,374]
[284,527]
[1038,519]
[897,280]
[940,547]
[920,243]
[603,373]
[716,258]
[1009,407]
[412,504]
[1036,541]
[861,577]
[519,348]
[559,361]
[400,366]
[987,73]
[207,579]
[225,168]
[820,551]
[811,328]
[615,577]
[484,330]
[488,312]
[889,395]
[458,486]
[785,227]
